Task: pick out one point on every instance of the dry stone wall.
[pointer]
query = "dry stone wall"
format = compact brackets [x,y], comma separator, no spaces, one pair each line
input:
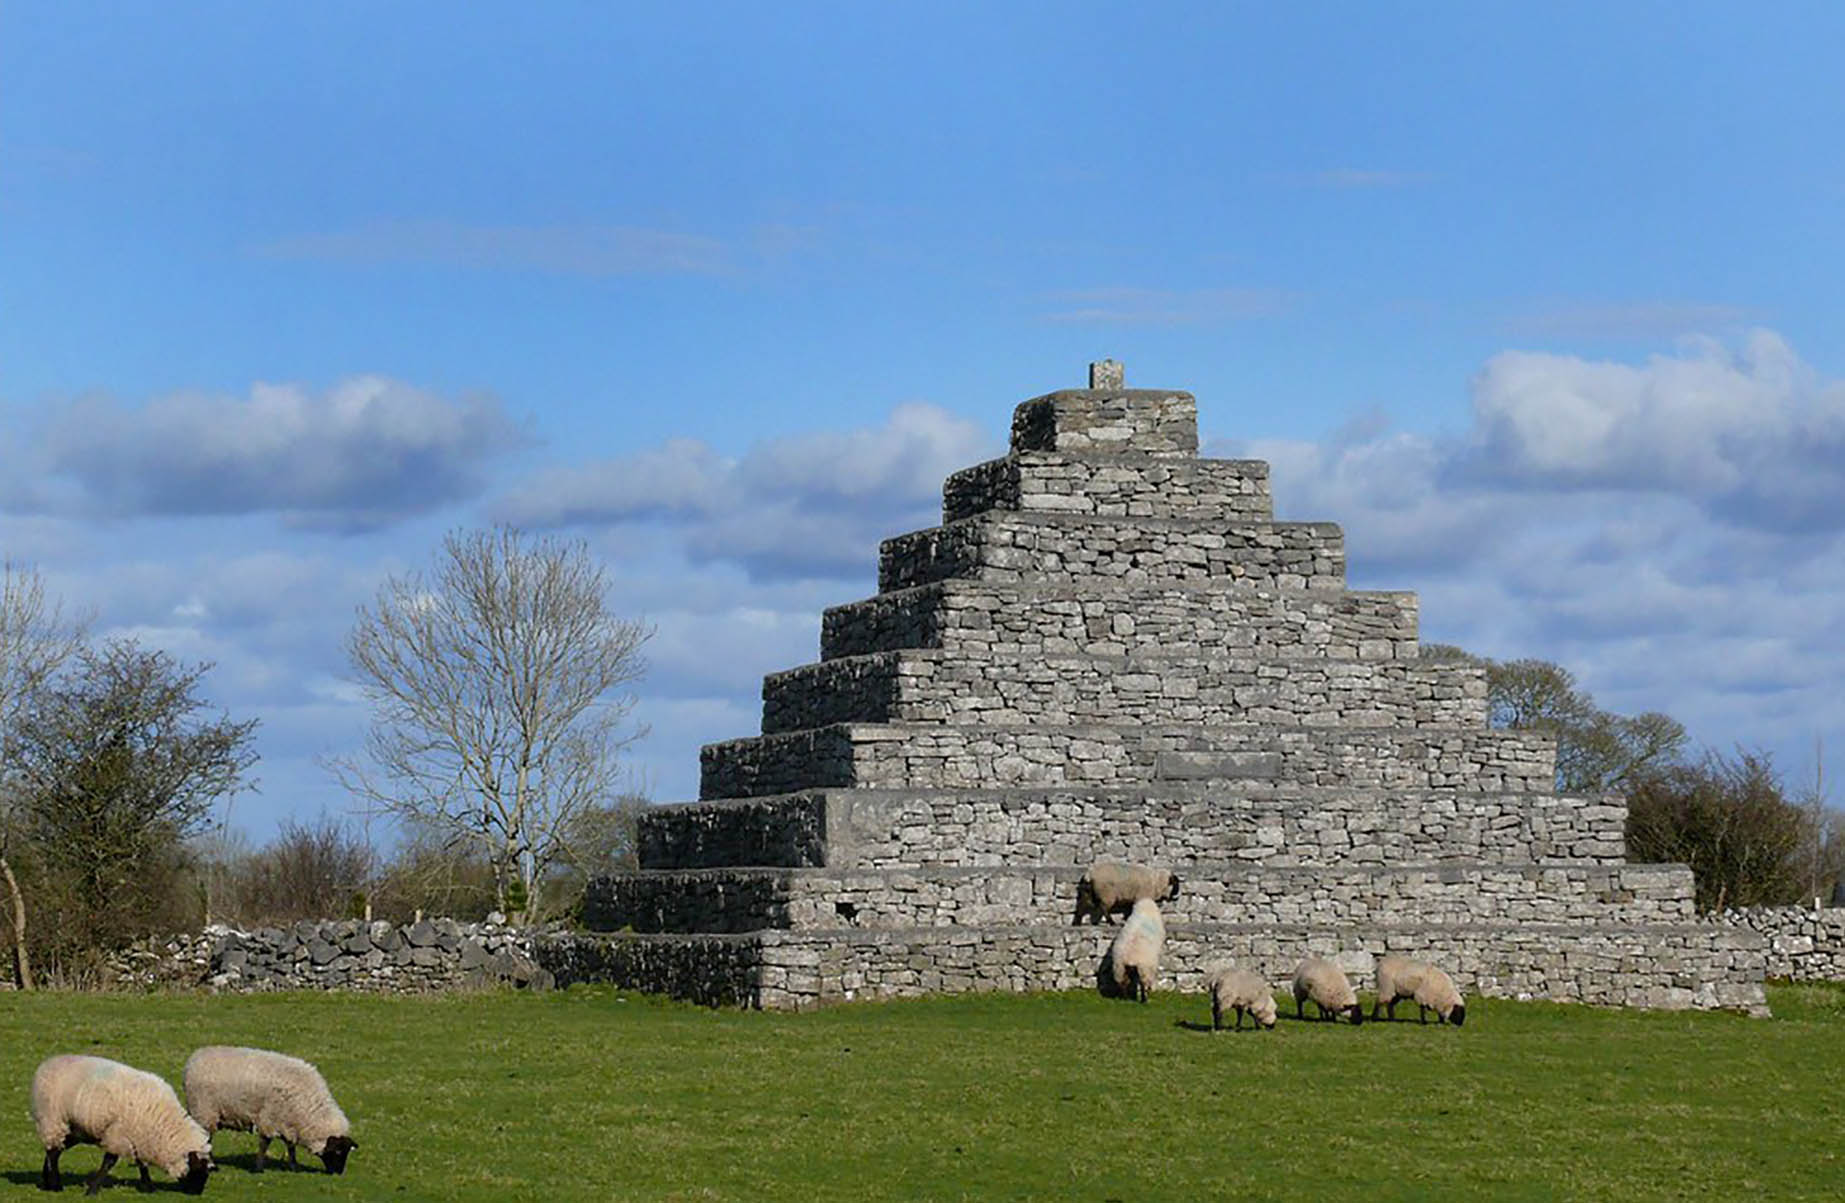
[1113,487]
[1175,824]
[1016,548]
[433,954]
[981,623]
[932,686]
[1801,944]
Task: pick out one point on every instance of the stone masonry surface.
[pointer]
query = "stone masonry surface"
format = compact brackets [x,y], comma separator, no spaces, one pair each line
[1177,824]
[981,620]
[1071,690]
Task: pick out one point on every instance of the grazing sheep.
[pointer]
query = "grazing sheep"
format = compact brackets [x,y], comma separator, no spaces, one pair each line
[1325,983]
[1109,888]
[1134,956]
[275,1096]
[1243,991]
[1433,990]
[129,1112]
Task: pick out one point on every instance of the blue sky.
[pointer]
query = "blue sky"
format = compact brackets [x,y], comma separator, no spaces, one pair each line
[1541,303]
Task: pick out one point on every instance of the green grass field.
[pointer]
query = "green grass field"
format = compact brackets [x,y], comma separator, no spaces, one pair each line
[596,1094]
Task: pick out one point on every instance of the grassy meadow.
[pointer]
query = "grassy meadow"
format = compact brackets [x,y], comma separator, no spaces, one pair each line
[593,1093]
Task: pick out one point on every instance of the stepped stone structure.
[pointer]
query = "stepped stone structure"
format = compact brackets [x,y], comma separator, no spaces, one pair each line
[1111,650]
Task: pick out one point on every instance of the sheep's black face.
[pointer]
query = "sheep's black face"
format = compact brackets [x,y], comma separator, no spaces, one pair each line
[1458,1016]
[198,1170]
[1357,1013]
[1172,889]
[334,1155]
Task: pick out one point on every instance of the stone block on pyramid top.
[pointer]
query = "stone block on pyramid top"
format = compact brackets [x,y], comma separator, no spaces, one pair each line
[1170,823]
[1108,416]
[1112,485]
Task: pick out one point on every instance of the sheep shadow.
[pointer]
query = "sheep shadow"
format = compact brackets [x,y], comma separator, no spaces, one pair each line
[73,1179]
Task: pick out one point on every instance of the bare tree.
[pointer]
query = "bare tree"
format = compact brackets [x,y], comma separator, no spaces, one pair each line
[36,638]
[1598,752]
[496,689]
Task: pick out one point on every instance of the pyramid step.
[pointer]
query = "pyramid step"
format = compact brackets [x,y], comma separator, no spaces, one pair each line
[742,900]
[1113,620]
[1176,824]
[916,686]
[1010,547]
[1118,486]
[1668,966]
[1158,422]
[932,756]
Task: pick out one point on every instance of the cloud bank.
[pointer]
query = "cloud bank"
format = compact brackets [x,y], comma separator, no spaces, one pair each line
[363,454]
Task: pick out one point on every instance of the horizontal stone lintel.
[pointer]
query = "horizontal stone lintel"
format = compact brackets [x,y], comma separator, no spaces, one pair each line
[1112,485]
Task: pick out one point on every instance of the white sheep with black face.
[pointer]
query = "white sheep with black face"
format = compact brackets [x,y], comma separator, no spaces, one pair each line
[276,1096]
[1134,956]
[1331,991]
[1107,888]
[1431,987]
[1242,991]
[128,1112]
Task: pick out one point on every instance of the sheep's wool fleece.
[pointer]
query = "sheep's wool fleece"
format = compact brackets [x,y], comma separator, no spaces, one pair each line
[1325,983]
[271,1094]
[129,1112]
[1139,941]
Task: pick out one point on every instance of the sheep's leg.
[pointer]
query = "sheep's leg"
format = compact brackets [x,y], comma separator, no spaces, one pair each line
[94,1182]
[262,1152]
[292,1163]
[1239,1017]
[1422,1013]
[1391,1010]
[1217,1014]
[146,1182]
[49,1178]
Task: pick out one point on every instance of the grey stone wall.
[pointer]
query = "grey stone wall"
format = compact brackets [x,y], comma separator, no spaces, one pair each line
[434,954]
[732,900]
[1174,824]
[977,619]
[1802,944]
[1155,422]
[932,686]
[1216,490]
[927,756]
[1665,966]
[1018,547]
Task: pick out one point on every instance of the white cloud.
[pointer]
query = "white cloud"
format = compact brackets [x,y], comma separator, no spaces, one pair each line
[1752,433]
[367,452]
[1670,530]
[803,506]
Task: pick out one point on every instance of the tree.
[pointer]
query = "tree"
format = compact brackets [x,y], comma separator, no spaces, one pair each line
[117,766]
[495,688]
[1598,752]
[1730,820]
[36,639]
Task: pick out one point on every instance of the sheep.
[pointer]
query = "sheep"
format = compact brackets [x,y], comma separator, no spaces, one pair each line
[1241,990]
[129,1112]
[274,1095]
[1325,983]
[1400,977]
[1134,956]
[1109,888]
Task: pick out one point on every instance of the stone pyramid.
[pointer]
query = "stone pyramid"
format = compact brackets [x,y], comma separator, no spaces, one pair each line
[1111,650]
